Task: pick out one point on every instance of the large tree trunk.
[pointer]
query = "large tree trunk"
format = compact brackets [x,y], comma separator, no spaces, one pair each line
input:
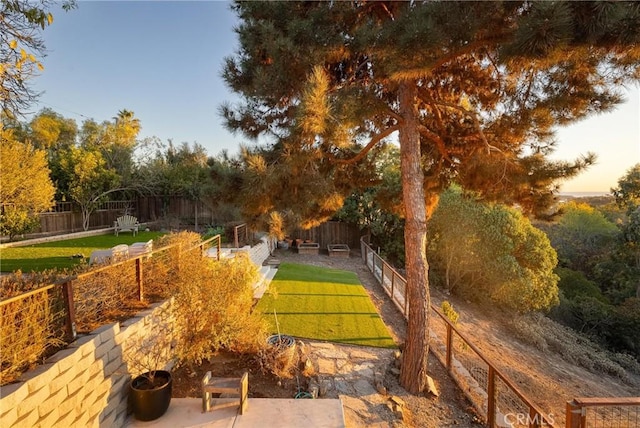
[414,361]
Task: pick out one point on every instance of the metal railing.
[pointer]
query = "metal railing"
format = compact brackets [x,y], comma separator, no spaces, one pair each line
[51,316]
[240,235]
[492,393]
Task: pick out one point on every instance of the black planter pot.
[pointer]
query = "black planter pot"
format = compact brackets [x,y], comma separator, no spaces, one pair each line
[148,401]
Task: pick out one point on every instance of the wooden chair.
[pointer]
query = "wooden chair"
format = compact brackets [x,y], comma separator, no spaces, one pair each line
[126,222]
[238,386]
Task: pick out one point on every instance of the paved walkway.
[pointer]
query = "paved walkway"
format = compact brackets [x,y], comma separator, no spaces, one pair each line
[349,383]
[355,375]
[261,413]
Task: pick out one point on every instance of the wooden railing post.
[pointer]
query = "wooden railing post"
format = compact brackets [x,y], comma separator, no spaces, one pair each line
[139,279]
[535,418]
[406,302]
[491,397]
[575,416]
[70,319]
[393,281]
[449,346]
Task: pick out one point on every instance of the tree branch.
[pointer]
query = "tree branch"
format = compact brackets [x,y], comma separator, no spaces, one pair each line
[362,153]
[437,140]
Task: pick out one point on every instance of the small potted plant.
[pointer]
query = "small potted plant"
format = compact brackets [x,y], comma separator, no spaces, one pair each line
[150,390]
[150,394]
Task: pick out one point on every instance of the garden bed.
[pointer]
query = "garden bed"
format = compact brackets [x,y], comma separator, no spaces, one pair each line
[338,250]
[308,248]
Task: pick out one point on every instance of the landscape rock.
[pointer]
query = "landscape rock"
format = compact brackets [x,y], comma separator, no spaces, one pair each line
[431,387]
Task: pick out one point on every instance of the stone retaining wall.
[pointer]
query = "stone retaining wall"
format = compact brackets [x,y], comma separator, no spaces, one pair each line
[85,384]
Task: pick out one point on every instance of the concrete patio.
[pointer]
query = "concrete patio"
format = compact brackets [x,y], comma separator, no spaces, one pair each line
[261,413]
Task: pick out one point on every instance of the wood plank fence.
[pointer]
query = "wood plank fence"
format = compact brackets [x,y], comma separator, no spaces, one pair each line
[331,232]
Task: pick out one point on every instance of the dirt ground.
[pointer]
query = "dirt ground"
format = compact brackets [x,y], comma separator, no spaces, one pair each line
[543,376]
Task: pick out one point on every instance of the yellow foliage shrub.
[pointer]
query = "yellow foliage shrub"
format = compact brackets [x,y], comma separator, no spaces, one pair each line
[213,308]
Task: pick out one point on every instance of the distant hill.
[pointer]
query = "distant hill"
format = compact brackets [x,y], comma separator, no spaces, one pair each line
[595,199]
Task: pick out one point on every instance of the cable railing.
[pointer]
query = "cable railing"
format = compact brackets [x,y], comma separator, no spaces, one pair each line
[51,316]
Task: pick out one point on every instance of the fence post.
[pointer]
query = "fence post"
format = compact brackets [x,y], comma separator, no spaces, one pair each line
[406,302]
[139,281]
[382,275]
[575,416]
[219,247]
[393,281]
[491,397]
[363,249]
[535,418]
[70,321]
[449,346]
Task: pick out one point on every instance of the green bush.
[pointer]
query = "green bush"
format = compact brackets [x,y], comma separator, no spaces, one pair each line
[213,231]
[574,283]
[16,222]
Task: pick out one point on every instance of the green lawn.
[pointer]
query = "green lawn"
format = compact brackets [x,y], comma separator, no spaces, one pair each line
[57,254]
[324,304]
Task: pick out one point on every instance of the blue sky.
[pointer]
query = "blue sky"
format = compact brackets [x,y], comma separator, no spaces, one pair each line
[162,60]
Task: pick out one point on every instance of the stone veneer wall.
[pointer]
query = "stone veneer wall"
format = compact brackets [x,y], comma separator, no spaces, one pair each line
[86,384]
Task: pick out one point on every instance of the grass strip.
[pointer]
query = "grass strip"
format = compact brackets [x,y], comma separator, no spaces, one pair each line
[58,254]
[323,304]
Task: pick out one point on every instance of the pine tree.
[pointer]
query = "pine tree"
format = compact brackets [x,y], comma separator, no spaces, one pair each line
[473,92]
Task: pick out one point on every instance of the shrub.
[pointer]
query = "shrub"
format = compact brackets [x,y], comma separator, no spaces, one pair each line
[280,360]
[449,312]
[213,231]
[213,308]
[23,347]
[105,296]
[574,283]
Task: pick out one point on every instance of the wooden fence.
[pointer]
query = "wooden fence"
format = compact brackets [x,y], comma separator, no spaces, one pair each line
[619,412]
[193,212]
[331,232]
[491,392]
[66,217]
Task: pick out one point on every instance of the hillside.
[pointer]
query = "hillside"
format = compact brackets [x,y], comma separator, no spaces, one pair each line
[548,362]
